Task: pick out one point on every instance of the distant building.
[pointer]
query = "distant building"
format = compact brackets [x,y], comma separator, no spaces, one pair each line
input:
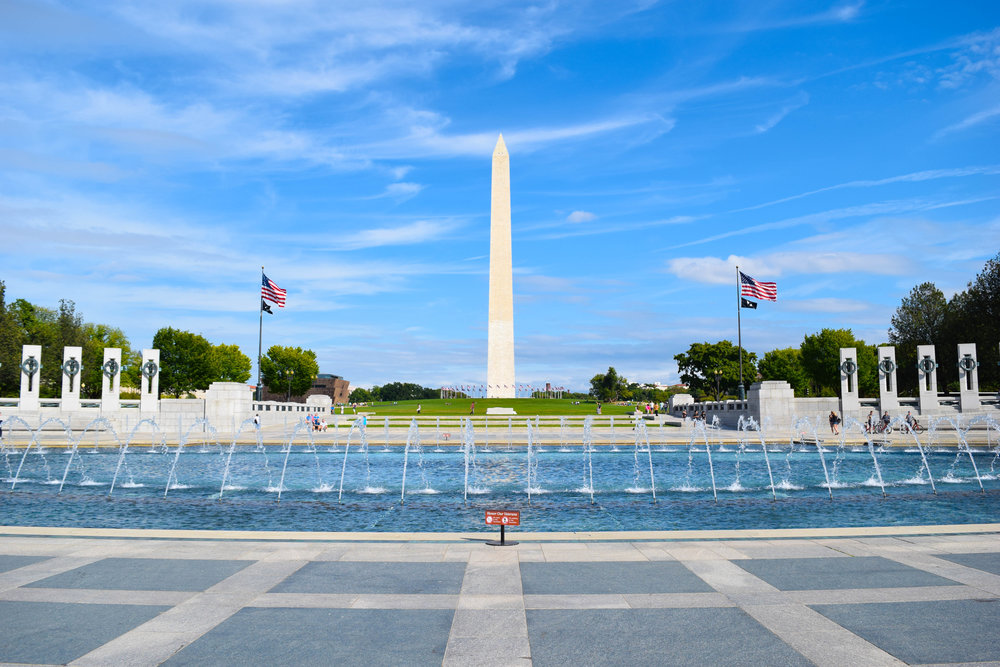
[325,384]
[668,387]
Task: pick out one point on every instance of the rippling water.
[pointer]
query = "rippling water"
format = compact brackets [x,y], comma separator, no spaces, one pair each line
[313,497]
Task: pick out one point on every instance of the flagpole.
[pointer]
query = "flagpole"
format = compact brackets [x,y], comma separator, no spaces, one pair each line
[260,332]
[739,332]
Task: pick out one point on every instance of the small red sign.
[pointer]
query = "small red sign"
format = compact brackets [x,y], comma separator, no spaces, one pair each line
[503,517]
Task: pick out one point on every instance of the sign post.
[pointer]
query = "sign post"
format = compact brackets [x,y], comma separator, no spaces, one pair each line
[503,518]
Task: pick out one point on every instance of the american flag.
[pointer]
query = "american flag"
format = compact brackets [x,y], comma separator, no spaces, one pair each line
[270,291]
[757,289]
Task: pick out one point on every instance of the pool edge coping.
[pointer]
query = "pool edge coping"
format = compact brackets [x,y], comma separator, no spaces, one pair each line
[474,537]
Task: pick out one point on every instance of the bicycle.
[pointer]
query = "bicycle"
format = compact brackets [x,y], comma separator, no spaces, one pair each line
[882,427]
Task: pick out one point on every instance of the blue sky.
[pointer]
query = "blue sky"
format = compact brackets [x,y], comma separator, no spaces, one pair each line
[154,155]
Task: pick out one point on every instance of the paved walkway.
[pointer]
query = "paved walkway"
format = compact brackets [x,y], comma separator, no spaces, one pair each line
[845,600]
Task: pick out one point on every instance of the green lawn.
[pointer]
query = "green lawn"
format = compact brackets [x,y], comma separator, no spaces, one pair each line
[523,407]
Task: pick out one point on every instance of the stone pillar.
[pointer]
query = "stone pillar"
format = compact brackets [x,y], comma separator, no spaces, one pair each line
[927,389]
[71,374]
[227,404]
[111,381]
[31,376]
[149,382]
[968,378]
[771,400]
[888,391]
[850,399]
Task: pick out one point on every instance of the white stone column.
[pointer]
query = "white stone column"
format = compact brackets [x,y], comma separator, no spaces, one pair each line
[927,388]
[31,360]
[968,378]
[111,381]
[227,404]
[850,398]
[888,391]
[72,367]
[149,382]
[773,401]
[500,336]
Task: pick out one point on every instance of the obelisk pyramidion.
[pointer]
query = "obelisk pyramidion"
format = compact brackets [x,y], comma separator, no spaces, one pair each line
[500,353]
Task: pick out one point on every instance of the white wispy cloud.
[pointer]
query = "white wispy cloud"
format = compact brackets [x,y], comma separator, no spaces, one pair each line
[419,231]
[912,177]
[801,100]
[427,137]
[580,216]
[400,191]
[971,121]
[839,13]
[719,271]
[829,305]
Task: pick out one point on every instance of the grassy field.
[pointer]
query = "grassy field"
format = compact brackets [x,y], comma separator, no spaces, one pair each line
[523,407]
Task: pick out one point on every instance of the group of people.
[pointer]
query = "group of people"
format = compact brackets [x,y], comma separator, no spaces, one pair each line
[316,423]
[695,414]
[875,424]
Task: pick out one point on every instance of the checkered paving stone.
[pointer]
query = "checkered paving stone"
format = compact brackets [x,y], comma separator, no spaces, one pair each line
[322,637]
[8,563]
[251,601]
[816,574]
[146,574]
[574,578]
[987,561]
[654,637]
[925,632]
[56,633]
[373,577]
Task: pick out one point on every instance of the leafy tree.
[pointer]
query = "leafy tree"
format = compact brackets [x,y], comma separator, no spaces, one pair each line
[360,395]
[923,318]
[289,369]
[40,326]
[974,316]
[820,355]
[186,361]
[10,348]
[97,337]
[699,364]
[231,365]
[609,386]
[785,364]
[402,391]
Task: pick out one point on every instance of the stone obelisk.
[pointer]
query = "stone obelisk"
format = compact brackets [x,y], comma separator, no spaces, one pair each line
[500,353]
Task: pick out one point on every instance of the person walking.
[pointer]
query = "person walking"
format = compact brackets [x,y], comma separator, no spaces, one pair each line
[418,408]
[834,420]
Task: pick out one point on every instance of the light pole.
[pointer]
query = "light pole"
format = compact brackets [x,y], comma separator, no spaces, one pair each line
[291,374]
[718,377]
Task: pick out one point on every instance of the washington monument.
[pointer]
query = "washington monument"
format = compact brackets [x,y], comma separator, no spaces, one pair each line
[500,354]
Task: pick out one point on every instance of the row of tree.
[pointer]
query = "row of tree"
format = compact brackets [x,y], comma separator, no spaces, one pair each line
[611,387]
[925,317]
[393,391]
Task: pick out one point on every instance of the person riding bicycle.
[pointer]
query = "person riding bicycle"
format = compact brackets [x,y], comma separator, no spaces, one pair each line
[911,422]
